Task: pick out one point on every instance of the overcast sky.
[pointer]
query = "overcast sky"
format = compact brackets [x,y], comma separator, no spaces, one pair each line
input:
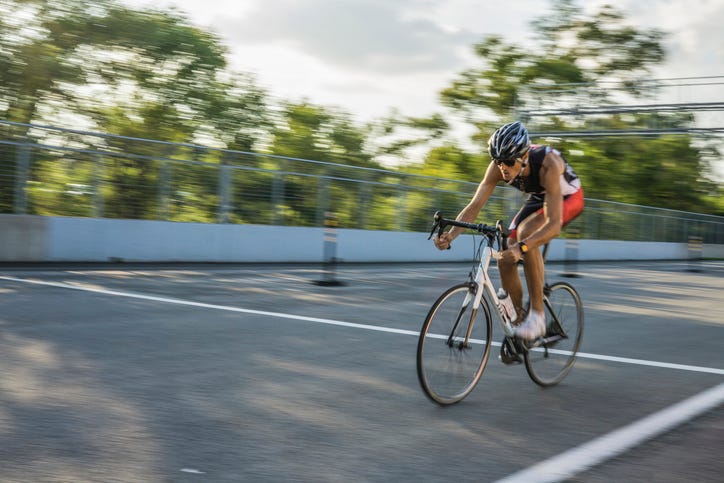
[371,55]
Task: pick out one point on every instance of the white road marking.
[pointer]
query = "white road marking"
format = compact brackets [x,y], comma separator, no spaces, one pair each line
[339,323]
[576,460]
[192,471]
[202,305]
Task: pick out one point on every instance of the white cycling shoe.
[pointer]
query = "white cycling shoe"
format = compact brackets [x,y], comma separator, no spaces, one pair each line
[533,327]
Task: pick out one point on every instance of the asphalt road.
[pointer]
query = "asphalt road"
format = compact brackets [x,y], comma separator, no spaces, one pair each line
[254,373]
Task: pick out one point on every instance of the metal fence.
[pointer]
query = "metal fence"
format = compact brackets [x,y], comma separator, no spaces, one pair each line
[46,170]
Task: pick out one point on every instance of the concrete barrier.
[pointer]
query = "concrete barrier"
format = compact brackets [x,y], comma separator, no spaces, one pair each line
[89,239]
[68,239]
[23,238]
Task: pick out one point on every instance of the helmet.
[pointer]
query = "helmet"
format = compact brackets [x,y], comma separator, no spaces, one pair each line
[509,142]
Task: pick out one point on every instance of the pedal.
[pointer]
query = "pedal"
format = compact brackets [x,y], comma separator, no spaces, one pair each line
[507,355]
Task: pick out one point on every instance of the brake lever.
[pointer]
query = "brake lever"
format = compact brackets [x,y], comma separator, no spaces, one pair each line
[437,224]
[434,226]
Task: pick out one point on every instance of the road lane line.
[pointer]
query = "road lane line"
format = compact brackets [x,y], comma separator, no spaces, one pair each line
[339,323]
[227,308]
[193,471]
[588,455]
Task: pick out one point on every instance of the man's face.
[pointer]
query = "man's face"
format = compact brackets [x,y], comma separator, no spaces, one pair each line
[510,172]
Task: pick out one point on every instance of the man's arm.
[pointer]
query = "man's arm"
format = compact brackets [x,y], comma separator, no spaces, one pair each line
[471,211]
[550,178]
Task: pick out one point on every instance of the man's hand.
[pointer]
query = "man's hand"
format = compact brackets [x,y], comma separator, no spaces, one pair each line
[512,254]
[443,241]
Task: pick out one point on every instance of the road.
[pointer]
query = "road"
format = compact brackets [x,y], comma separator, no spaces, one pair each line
[228,373]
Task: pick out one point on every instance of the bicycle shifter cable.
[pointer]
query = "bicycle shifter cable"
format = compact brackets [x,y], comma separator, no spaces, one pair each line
[476,253]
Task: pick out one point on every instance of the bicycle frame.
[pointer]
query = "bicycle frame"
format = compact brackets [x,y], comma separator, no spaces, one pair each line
[482,279]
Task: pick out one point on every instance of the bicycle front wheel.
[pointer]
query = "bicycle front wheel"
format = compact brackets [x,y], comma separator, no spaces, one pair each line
[550,362]
[454,345]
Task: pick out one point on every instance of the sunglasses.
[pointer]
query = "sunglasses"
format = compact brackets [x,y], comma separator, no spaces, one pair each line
[507,162]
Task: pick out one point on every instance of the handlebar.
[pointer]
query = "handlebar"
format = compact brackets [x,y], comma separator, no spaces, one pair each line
[440,223]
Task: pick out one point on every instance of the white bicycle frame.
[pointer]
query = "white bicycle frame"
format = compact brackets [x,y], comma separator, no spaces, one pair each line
[482,280]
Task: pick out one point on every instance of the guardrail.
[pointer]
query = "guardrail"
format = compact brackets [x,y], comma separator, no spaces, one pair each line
[63,172]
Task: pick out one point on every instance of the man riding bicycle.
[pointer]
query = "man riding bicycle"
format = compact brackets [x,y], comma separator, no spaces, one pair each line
[555,197]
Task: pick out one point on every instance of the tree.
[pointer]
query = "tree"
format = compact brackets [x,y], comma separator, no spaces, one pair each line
[576,60]
[330,137]
[395,135]
[100,45]
[136,73]
[574,49]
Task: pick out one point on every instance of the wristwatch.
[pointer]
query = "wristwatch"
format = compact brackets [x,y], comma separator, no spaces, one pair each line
[523,247]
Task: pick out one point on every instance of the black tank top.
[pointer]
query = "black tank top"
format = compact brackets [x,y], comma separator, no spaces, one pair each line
[531,183]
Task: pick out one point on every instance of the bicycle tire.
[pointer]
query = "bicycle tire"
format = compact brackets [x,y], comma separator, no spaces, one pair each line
[547,365]
[447,369]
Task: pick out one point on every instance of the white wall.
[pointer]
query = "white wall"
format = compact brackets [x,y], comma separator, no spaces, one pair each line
[59,239]
[87,239]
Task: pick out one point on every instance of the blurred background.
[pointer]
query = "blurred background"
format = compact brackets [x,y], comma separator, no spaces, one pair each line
[238,112]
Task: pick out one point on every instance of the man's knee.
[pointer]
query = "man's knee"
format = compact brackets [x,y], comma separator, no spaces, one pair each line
[506,265]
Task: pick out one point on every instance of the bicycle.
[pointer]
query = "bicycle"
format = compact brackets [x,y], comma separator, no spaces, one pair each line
[453,349]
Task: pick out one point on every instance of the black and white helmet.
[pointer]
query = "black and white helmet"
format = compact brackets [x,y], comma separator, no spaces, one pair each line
[509,142]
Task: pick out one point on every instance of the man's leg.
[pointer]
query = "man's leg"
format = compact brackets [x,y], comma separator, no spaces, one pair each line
[510,279]
[534,324]
[509,276]
[533,262]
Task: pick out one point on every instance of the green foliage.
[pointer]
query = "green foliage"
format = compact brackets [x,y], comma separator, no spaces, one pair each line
[314,132]
[450,162]
[667,171]
[573,49]
[145,74]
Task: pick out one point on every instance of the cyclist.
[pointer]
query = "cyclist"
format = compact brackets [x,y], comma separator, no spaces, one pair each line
[555,197]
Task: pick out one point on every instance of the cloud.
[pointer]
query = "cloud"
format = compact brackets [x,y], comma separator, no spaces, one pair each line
[370,55]
[693,33]
[364,35]
[697,40]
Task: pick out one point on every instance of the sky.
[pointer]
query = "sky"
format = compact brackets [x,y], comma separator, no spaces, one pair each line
[369,56]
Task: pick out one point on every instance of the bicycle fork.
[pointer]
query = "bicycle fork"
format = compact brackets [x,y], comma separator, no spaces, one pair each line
[463,344]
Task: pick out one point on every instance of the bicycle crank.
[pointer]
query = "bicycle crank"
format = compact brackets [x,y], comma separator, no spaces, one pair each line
[508,354]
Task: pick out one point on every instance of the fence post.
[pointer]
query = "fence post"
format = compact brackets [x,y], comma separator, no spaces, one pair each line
[322,198]
[22,168]
[164,179]
[224,191]
[365,194]
[401,209]
[329,252]
[278,197]
[98,177]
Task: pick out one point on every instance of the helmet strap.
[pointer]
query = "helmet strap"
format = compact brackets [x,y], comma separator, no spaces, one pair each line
[524,163]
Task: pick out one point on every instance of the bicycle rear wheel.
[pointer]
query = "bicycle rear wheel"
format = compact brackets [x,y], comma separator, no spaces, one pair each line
[550,362]
[454,345]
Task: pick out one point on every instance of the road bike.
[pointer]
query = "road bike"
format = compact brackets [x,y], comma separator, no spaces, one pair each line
[455,339]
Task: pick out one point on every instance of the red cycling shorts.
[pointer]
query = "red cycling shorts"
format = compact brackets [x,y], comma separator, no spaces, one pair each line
[572,207]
